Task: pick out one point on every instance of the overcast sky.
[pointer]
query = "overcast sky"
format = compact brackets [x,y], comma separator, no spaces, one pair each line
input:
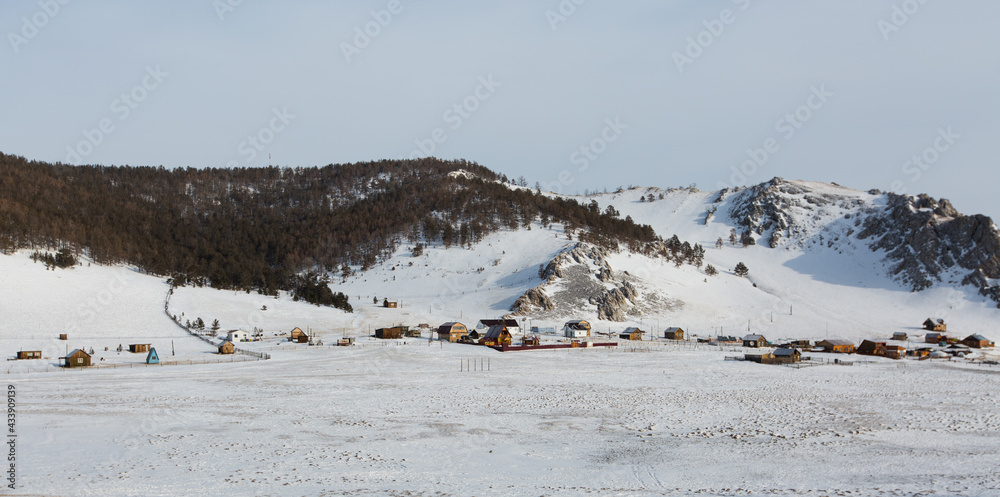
[576,97]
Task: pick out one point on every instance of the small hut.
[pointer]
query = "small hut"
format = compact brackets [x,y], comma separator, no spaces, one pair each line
[755,341]
[933,324]
[389,333]
[29,354]
[786,356]
[390,304]
[63,336]
[139,348]
[497,335]
[576,328]
[152,357]
[977,342]
[900,336]
[296,336]
[935,338]
[79,358]
[451,331]
[227,347]
[631,333]
[345,342]
[836,346]
[674,333]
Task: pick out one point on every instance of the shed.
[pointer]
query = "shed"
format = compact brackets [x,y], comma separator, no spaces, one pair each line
[726,339]
[631,333]
[227,347]
[296,334]
[977,342]
[345,342]
[497,335]
[138,348]
[933,324]
[390,304]
[872,348]
[674,333]
[29,354]
[77,359]
[451,331]
[786,356]
[837,346]
[755,341]
[935,338]
[389,333]
[574,328]
[152,357]
[63,336]
[900,335]
[895,351]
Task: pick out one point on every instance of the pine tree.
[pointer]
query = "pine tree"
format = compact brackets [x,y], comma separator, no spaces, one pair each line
[741,269]
[215,325]
[718,243]
[710,270]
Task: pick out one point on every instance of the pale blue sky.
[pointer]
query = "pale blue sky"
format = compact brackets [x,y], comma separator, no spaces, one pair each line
[277,71]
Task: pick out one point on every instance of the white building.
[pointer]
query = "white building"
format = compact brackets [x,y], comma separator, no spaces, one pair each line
[238,336]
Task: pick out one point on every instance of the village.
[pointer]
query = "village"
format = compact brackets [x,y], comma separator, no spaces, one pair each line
[508,335]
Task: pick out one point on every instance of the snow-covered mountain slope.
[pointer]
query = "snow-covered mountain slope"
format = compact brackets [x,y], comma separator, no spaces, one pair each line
[827,275]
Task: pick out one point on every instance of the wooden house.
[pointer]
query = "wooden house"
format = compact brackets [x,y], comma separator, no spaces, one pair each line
[513,327]
[900,336]
[63,336]
[755,341]
[920,352]
[227,347]
[77,359]
[977,342]
[390,304]
[895,351]
[935,338]
[674,333]
[296,336]
[727,339]
[786,356]
[935,325]
[576,328]
[496,335]
[345,342]
[631,333]
[152,357]
[389,333]
[29,354]
[139,348]
[836,346]
[872,348]
[451,331]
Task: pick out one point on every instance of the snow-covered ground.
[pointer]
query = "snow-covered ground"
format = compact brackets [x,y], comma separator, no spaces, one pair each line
[405,420]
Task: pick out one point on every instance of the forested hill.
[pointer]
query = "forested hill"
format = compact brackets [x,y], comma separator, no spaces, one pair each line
[261,228]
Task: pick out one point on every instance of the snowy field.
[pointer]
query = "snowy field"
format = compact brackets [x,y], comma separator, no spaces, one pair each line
[404,420]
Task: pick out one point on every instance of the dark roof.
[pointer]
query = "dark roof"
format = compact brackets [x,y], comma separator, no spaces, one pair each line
[785,352]
[978,338]
[836,341]
[753,338]
[504,322]
[446,328]
[721,338]
[495,331]
[73,353]
[672,329]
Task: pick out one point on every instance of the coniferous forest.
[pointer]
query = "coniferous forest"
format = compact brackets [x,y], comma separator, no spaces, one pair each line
[270,229]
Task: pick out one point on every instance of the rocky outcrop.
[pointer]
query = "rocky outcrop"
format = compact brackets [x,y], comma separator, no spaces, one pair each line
[613,304]
[925,239]
[533,300]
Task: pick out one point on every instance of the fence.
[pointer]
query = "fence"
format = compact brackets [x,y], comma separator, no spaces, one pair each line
[260,356]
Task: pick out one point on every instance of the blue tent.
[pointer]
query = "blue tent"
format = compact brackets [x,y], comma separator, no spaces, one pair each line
[152,357]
